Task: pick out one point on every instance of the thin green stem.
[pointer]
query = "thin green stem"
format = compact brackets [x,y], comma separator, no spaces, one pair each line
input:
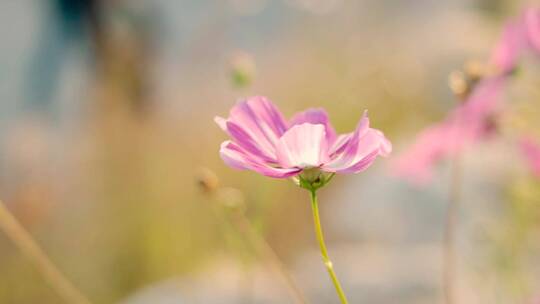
[450,258]
[324,251]
[29,248]
[450,228]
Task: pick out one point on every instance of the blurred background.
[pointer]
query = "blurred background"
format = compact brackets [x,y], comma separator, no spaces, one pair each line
[106,121]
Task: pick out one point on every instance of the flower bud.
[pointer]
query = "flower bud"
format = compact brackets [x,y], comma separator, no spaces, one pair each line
[462,83]
[207,180]
[242,69]
[475,70]
[458,84]
[313,179]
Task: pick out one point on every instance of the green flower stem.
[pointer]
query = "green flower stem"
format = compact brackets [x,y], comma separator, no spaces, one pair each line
[449,241]
[324,251]
[451,222]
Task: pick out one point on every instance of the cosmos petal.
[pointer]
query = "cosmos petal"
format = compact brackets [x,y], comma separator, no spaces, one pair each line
[372,144]
[236,157]
[221,122]
[249,143]
[532,22]
[256,125]
[351,146]
[303,146]
[340,143]
[361,164]
[262,141]
[531,151]
[468,123]
[507,51]
[315,116]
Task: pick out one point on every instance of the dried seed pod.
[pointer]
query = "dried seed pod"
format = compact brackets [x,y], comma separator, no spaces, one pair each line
[458,84]
[463,82]
[207,180]
[475,70]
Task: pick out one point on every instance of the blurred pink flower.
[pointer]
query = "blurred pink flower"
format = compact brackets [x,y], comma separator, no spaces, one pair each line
[531,151]
[472,120]
[532,24]
[263,141]
[506,53]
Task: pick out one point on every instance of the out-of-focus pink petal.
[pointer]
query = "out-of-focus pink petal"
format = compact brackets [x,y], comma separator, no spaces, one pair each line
[506,53]
[531,150]
[236,157]
[315,117]
[535,300]
[532,22]
[472,120]
[303,146]
[417,161]
[467,124]
[483,100]
[256,125]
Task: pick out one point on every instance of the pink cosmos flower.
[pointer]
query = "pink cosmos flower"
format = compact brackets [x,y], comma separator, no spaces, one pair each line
[531,150]
[506,53]
[518,35]
[262,140]
[532,25]
[468,123]
[472,120]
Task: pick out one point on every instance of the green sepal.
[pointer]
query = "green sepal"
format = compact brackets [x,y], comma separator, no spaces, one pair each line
[314,179]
